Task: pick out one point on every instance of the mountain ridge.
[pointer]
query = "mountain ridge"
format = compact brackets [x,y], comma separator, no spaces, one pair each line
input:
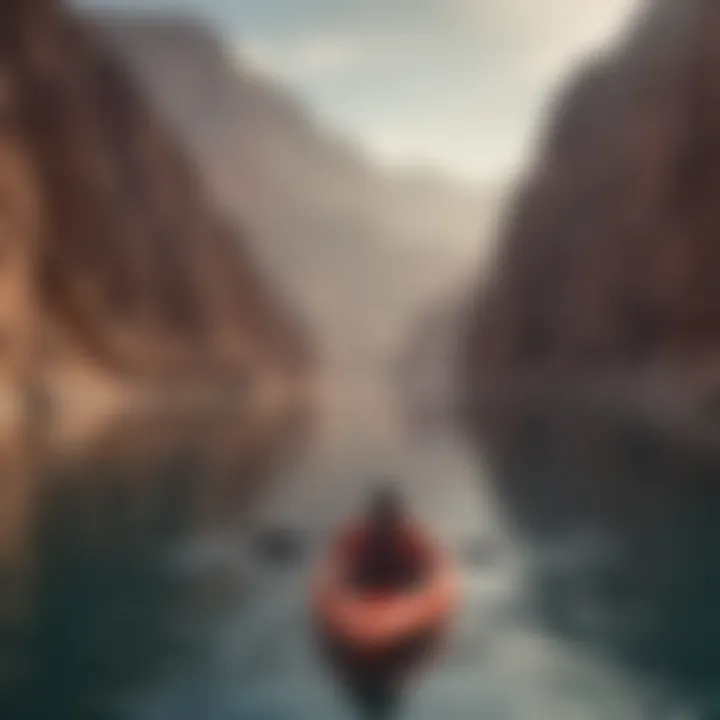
[328,221]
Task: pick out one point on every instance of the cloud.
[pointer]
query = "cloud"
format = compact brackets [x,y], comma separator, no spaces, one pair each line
[546,36]
[320,55]
[541,36]
[551,18]
[464,82]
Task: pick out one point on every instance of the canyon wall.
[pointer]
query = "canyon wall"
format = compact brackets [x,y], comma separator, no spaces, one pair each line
[609,262]
[115,258]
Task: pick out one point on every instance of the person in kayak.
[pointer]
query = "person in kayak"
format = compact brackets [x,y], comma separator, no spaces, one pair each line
[382,599]
[387,551]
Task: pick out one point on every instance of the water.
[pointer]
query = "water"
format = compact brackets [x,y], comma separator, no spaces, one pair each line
[135,587]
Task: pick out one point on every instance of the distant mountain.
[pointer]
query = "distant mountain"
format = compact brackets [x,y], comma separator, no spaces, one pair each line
[359,247]
[114,255]
[426,366]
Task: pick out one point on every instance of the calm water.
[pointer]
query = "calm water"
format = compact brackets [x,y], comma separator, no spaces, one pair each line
[136,583]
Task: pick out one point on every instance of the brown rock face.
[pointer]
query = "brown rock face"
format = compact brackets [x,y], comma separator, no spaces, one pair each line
[611,259]
[109,235]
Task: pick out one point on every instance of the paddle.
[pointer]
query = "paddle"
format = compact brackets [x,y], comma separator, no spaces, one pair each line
[284,546]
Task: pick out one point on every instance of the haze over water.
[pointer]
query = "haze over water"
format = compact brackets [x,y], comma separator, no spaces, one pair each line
[147,592]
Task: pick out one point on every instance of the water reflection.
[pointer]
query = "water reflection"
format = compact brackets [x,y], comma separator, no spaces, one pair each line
[155,567]
[93,608]
[620,521]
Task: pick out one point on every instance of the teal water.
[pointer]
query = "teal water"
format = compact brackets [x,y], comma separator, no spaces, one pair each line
[141,592]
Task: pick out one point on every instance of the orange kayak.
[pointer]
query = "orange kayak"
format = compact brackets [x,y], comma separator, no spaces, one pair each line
[371,622]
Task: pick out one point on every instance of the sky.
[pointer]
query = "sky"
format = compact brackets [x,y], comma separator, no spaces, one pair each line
[462,85]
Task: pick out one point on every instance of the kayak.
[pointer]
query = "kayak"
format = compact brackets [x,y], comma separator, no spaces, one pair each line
[371,623]
[377,640]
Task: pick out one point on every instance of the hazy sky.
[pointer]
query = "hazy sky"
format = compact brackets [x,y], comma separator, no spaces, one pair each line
[457,83]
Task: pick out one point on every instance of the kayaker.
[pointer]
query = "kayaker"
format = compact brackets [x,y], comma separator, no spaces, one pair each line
[382,599]
[386,547]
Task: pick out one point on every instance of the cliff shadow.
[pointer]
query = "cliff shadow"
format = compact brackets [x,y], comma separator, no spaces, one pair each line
[101,609]
[619,522]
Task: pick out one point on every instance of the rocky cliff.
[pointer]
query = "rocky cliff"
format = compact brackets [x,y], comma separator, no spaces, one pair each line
[592,355]
[610,260]
[114,257]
